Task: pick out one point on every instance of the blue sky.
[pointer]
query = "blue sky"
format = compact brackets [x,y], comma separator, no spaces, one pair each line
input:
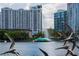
[48,10]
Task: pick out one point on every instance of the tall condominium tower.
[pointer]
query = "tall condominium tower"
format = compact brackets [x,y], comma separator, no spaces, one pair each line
[36,18]
[60,17]
[73,16]
[22,19]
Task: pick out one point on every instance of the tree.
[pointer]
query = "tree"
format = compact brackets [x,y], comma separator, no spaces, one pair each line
[39,34]
[53,33]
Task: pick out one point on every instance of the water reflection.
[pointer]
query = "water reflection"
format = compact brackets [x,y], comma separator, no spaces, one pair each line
[32,49]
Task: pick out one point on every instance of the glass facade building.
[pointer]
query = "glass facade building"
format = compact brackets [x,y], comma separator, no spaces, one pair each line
[73,16]
[36,18]
[22,19]
[59,18]
[0,20]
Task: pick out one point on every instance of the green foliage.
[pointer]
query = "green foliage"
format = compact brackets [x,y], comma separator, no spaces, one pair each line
[57,35]
[17,35]
[1,35]
[39,34]
[53,33]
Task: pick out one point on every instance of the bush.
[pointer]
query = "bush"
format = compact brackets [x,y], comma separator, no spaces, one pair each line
[16,35]
[39,34]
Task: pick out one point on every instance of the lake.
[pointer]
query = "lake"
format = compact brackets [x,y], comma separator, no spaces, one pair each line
[32,49]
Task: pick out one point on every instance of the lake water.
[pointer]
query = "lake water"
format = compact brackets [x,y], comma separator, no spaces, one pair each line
[32,49]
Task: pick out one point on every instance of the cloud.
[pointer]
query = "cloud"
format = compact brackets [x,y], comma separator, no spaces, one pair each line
[48,13]
[13,5]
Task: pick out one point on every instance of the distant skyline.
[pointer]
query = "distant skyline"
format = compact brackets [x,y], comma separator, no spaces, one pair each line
[48,10]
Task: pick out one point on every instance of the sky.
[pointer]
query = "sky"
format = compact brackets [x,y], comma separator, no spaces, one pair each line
[48,10]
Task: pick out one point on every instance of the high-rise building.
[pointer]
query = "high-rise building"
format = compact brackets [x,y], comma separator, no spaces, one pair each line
[27,19]
[22,19]
[15,19]
[0,20]
[73,16]
[36,18]
[6,18]
[59,18]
